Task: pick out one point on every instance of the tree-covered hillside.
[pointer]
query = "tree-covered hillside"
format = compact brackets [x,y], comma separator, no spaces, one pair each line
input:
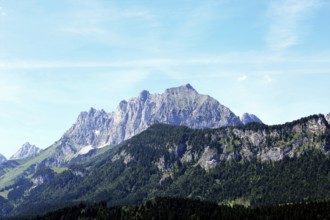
[176,208]
[251,165]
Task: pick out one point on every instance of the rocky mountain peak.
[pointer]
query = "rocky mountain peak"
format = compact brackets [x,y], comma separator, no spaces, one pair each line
[184,89]
[327,117]
[247,118]
[144,95]
[2,158]
[122,105]
[25,151]
[181,105]
[92,113]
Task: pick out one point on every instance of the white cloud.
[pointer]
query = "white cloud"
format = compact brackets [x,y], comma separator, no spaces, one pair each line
[230,61]
[242,78]
[287,17]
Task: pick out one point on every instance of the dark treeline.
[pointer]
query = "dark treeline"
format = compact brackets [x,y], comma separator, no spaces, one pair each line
[176,208]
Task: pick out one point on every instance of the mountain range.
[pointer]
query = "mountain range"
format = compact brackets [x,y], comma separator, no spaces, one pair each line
[176,106]
[178,143]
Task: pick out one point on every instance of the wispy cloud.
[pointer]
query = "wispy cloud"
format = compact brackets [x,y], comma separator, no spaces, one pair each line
[100,18]
[288,22]
[160,62]
[246,59]
[242,78]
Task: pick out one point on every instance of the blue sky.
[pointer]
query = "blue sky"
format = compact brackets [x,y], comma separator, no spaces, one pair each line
[58,58]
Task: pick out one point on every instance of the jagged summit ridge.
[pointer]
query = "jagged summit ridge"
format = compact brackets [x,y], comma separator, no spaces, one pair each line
[247,118]
[181,89]
[181,105]
[25,151]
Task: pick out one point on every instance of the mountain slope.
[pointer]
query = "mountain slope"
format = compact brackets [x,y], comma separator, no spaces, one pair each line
[25,151]
[232,164]
[7,166]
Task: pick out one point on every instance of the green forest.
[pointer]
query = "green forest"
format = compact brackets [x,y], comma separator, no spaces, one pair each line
[176,208]
[150,166]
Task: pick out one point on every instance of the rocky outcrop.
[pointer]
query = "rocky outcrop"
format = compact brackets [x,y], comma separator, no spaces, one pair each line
[27,150]
[261,142]
[2,158]
[328,118]
[247,118]
[176,106]
[42,176]
[280,141]
[209,159]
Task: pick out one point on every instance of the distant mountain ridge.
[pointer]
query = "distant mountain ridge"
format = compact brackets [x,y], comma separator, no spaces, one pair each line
[25,151]
[247,118]
[181,105]
[2,158]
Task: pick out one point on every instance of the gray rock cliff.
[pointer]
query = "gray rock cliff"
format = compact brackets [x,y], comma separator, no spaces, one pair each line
[264,143]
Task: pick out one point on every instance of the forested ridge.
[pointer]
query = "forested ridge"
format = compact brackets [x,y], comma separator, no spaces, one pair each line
[169,161]
[178,208]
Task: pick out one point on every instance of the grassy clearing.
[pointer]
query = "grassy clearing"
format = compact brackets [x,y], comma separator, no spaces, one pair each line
[9,177]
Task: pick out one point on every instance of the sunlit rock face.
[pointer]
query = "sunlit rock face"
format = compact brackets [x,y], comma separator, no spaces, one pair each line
[177,106]
[25,151]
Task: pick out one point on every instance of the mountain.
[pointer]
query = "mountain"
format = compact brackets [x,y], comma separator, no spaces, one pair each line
[328,118]
[25,151]
[2,158]
[247,118]
[176,106]
[252,165]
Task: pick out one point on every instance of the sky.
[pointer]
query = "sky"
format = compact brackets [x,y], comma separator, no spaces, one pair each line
[58,58]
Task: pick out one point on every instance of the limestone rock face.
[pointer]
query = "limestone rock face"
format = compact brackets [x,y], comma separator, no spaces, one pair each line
[89,130]
[176,106]
[27,150]
[269,148]
[247,118]
[264,143]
